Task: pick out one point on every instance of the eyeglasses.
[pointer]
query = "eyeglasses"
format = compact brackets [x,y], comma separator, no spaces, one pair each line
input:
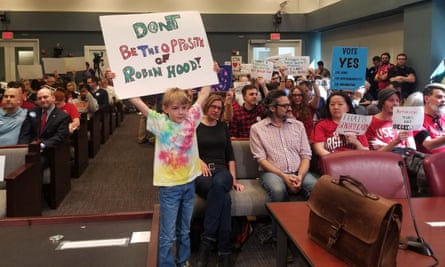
[286,106]
[215,107]
[296,95]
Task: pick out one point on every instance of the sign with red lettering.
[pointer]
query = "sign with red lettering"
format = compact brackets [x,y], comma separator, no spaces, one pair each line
[353,124]
[153,52]
[407,118]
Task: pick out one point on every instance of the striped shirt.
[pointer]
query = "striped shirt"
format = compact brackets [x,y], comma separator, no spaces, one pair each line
[283,146]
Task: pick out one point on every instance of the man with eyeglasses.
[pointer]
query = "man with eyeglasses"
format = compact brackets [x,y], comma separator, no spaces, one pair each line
[280,145]
[431,138]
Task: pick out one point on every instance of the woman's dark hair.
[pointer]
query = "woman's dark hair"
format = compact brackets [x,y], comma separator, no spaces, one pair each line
[301,111]
[326,113]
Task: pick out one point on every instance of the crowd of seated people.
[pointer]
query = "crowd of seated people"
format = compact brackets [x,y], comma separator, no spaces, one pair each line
[47,111]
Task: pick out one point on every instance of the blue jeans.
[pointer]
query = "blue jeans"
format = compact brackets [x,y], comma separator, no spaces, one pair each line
[278,192]
[218,218]
[176,206]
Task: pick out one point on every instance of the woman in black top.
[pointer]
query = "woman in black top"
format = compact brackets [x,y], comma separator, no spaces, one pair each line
[217,179]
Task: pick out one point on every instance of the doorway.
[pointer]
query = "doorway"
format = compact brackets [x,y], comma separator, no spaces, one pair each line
[262,49]
[17,52]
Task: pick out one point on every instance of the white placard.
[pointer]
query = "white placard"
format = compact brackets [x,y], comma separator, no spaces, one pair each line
[2,167]
[353,124]
[236,64]
[74,63]
[51,65]
[295,66]
[140,237]
[30,71]
[120,242]
[262,69]
[152,52]
[407,118]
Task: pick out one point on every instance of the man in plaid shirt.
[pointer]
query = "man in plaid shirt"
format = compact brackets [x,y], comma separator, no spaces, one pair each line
[247,114]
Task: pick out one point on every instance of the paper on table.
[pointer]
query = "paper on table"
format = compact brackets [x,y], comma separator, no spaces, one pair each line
[2,167]
[140,237]
[436,224]
[123,242]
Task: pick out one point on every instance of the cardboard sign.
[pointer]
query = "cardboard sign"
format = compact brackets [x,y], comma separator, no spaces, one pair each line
[262,69]
[348,67]
[353,124]
[30,71]
[407,118]
[295,66]
[153,52]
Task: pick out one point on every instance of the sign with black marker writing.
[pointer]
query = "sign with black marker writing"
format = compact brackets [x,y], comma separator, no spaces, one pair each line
[407,118]
[348,67]
[153,52]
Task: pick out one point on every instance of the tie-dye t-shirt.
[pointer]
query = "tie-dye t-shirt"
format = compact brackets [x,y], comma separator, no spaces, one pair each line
[176,158]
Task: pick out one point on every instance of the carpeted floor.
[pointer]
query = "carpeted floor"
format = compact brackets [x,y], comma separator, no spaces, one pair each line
[119,178]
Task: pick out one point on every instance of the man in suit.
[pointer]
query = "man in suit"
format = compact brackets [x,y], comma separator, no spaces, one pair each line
[45,123]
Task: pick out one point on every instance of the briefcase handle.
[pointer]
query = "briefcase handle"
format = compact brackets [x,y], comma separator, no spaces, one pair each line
[355,186]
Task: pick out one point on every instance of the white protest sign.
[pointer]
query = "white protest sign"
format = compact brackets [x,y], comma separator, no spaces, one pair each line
[150,53]
[295,66]
[245,69]
[353,124]
[30,71]
[51,65]
[236,64]
[407,118]
[262,69]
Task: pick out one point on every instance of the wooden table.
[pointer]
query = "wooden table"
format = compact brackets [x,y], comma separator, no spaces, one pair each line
[25,241]
[292,219]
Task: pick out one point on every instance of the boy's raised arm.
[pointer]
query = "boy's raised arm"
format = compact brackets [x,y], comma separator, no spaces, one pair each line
[203,94]
[140,105]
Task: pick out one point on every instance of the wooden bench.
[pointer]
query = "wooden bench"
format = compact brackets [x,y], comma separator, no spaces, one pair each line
[57,178]
[251,201]
[94,134]
[23,181]
[105,124]
[79,142]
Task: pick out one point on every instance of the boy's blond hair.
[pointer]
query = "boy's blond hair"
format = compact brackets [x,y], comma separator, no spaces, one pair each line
[175,95]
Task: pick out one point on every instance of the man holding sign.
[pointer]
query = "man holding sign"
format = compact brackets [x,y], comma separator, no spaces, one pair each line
[152,52]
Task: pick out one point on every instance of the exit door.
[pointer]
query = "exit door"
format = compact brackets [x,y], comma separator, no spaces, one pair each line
[17,52]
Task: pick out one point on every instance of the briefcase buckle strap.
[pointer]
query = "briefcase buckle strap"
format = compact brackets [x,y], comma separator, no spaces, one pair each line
[334,235]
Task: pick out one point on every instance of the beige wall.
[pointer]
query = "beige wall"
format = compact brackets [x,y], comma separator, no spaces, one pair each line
[204,6]
[383,35]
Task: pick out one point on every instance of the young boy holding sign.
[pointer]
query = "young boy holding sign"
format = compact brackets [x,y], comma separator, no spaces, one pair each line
[176,165]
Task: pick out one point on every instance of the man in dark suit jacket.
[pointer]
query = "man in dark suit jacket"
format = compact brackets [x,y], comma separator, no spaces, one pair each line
[50,133]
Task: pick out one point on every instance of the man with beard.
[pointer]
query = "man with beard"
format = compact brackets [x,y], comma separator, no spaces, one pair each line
[381,135]
[404,75]
[281,147]
[381,77]
[431,138]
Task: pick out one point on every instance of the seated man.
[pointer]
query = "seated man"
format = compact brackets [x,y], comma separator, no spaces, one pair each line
[85,103]
[431,139]
[11,117]
[280,145]
[247,114]
[45,123]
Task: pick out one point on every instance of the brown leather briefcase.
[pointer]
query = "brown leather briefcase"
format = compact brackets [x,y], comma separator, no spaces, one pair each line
[359,227]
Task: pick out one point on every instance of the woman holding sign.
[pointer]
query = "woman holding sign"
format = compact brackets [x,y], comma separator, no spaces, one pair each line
[324,138]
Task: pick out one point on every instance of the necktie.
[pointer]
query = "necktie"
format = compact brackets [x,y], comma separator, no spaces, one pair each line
[43,121]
